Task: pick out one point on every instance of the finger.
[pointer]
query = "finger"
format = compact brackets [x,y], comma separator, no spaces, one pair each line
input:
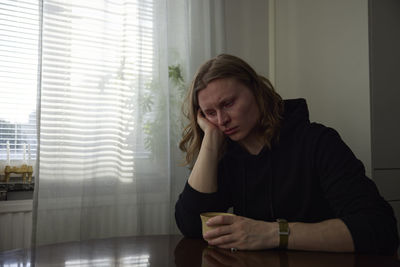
[202,120]
[217,232]
[222,240]
[200,115]
[221,219]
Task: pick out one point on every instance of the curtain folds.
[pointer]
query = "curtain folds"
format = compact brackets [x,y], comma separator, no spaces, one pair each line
[114,73]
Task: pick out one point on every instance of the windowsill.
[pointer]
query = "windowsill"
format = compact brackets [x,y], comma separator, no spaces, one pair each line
[14,206]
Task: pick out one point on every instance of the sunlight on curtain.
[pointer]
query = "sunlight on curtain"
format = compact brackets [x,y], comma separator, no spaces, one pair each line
[100,170]
[110,114]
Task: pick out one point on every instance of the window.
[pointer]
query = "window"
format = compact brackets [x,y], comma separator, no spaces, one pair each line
[98,64]
[19,55]
[98,82]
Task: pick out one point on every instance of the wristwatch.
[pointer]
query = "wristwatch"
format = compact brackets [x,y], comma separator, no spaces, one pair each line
[283,233]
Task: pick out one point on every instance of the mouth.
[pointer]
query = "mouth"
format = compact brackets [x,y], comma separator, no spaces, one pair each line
[230,131]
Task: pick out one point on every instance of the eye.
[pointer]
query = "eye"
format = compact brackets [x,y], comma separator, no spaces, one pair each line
[210,113]
[228,104]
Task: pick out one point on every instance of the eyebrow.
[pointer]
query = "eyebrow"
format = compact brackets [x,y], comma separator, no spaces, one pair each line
[222,102]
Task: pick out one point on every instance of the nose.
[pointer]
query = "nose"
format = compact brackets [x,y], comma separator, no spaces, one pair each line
[223,118]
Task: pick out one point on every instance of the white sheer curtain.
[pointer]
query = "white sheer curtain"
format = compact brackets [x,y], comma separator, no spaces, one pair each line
[109,113]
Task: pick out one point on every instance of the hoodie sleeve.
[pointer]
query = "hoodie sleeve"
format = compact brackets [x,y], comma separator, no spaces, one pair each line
[354,197]
[192,202]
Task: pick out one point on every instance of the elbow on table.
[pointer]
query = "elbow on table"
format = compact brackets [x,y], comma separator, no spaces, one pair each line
[189,231]
[187,228]
[386,242]
[390,246]
[373,234]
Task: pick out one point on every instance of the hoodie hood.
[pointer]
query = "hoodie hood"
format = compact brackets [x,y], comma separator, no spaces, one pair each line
[295,113]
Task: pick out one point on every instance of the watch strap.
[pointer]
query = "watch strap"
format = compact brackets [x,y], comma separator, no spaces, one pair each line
[283,233]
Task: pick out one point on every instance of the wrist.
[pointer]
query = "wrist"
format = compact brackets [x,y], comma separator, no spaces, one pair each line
[213,139]
[213,131]
[270,237]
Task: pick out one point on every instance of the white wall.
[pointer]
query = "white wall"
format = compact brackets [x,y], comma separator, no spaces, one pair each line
[246,24]
[322,55]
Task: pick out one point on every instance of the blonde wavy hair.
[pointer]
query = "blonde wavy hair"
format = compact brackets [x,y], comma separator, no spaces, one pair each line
[270,104]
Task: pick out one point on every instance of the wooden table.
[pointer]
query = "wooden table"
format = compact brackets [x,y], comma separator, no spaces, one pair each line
[165,250]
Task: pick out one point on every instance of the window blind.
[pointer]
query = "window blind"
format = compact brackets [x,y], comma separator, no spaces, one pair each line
[19,51]
[97,63]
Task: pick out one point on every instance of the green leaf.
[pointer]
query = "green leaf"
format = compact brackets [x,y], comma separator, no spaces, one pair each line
[175,74]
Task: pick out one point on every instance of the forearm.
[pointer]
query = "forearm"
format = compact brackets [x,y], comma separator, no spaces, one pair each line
[248,234]
[203,177]
[330,235]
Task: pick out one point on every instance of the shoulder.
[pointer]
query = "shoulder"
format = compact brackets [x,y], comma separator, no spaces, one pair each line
[321,132]
[316,142]
[310,133]
[325,141]
[317,131]
[325,136]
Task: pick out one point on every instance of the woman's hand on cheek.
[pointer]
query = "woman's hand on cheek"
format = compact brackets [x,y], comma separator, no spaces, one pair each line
[241,233]
[204,124]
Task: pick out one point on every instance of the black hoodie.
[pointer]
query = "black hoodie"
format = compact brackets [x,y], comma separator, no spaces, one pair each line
[310,175]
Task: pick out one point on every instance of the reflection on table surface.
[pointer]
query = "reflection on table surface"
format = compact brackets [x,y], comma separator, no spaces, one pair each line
[191,252]
[174,250]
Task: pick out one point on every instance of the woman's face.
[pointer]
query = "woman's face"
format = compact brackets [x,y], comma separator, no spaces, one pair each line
[232,107]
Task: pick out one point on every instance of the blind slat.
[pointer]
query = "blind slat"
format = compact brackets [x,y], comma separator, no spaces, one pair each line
[98,58]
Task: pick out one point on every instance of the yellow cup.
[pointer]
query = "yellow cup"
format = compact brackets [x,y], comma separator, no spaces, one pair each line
[207,215]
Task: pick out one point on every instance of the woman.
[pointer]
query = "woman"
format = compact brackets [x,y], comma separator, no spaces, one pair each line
[252,151]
